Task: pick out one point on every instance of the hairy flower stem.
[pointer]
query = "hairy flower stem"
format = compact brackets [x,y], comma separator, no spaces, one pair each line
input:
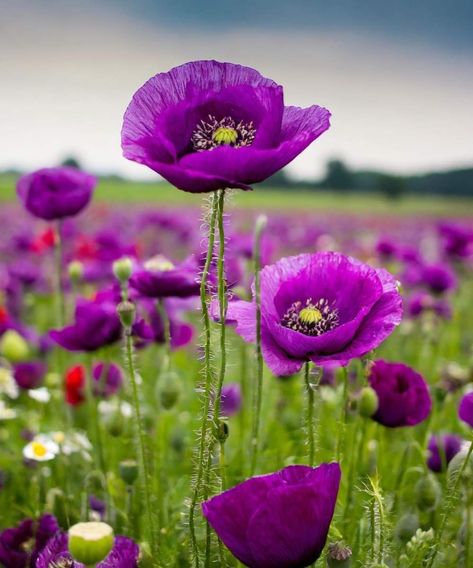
[141,445]
[448,508]
[343,422]
[258,393]
[203,448]
[61,309]
[310,413]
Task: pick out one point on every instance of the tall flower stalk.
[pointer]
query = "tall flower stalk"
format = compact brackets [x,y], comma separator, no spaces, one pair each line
[61,309]
[310,413]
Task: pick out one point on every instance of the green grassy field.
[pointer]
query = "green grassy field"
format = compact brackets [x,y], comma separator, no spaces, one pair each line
[138,192]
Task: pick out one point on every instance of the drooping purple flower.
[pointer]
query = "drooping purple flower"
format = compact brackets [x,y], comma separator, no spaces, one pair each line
[29,375]
[21,545]
[55,193]
[107,379]
[230,400]
[124,554]
[96,324]
[160,278]
[208,125]
[323,307]
[277,520]
[442,449]
[403,394]
[465,410]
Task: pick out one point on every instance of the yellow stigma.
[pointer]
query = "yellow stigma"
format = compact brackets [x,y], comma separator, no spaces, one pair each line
[38,449]
[310,315]
[159,263]
[225,136]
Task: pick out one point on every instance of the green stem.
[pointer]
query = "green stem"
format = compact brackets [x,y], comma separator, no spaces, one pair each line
[167,336]
[353,468]
[310,413]
[203,448]
[343,424]
[145,478]
[258,395]
[61,309]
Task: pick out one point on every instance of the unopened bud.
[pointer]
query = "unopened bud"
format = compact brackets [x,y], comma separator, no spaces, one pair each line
[90,543]
[75,271]
[128,470]
[13,346]
[367,402]
[169,390]
[457,466]
[221,431]
[115,424]
[126,312]
[406,527]
[427,492]
[339,555]
[122,269]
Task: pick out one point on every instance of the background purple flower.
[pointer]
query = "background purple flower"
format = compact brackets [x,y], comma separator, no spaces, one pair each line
[231,399]
[438,278]
[323,307]
[29,375]
[55,193]
[108,378]
[281,519]
[442,449]
[403,394]
[159,278]
[465,410]
[208,125]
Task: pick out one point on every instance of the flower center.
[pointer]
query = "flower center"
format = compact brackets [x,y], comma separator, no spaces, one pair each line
[311,318]
[38,449]
[226,132]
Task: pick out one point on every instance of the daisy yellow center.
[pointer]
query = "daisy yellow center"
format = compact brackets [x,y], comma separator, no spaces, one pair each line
[225,136]
[310,315]
[39,450]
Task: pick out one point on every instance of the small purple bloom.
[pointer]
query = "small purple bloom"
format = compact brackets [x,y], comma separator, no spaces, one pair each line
[97,505]
[442,449]
[465,410]
[403,394]
[159,278]
[230,400]
[108,378]
[323,307]
[421,302]
[124,554]
[55,193]
[277,520]
[208,125]
[29,375]
[96,325]
[439,278]
[457,240]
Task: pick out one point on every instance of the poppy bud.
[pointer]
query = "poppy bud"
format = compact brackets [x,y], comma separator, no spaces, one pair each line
[169,390]
[114,424]
[427,491]
[457,465]
[75,270]
[367,402]
[221,431]
[339,555]
[52,380]
[122,269]
[91,542]
[128,470]
[13,346]
[406,527]
[126,312]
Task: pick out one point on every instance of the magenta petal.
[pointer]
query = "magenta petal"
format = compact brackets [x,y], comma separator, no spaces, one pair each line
[244,314]
[276,359]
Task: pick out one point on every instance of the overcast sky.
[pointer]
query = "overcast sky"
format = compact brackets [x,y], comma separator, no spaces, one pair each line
[397,76]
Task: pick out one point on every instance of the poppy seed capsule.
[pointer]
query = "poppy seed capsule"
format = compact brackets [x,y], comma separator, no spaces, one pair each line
[75,271]
[91,542]
[427,491]
[169,390]
[221,431]
[13,346]
[367,402]
[126,312]
[122,269]
[128,470]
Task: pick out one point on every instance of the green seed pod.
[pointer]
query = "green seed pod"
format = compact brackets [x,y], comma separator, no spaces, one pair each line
[75,271]
[126,312]
[91,542]
[115,424]
[368,402]
[406,527]
[122,269]
[128,470]
[169,390]
[427,493]
[339,555]
[221,431]
[13,346]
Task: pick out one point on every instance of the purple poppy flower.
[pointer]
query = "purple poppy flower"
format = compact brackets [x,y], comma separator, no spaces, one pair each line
[442,449]
[55,193]
[422,302]
[457,240]
[323,307]
[438,278]
[161,279]
[108,378]
[277,520]
[403,394]
[124,554]
[98,506]
[465,410]
[208,125]
[21,545]
[29,375]
[96,325]
[230,400]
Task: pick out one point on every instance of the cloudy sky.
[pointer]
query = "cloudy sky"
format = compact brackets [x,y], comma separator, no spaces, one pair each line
[397,76]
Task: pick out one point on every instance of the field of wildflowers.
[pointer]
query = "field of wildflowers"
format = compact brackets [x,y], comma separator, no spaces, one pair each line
[206,385]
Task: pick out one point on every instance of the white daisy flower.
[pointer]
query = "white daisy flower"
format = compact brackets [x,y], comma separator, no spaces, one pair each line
[6,413]
[41,449]
[41,394]
[8,384]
